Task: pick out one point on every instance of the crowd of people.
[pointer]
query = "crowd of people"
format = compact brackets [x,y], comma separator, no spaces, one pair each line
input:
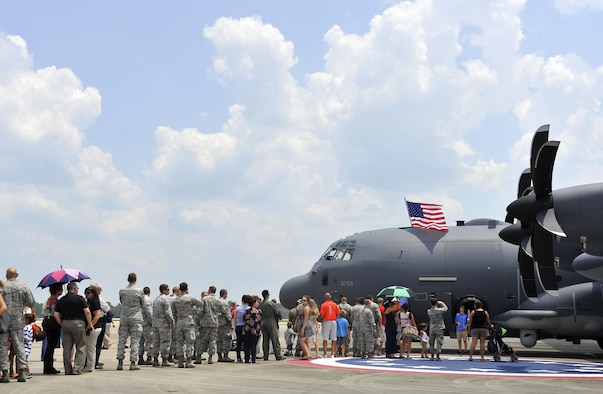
[386,324]
[180,328]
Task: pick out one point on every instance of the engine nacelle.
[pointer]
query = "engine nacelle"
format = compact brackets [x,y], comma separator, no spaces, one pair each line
[528,338]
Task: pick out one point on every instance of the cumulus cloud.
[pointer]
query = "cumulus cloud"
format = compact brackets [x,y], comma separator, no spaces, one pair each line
[431,101]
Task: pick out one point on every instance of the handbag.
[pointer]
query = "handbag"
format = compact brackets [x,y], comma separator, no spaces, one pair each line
[50,323]
[410,330]
[4,322]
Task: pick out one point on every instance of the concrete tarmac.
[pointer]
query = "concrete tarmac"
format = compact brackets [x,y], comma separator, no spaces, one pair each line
[286,377]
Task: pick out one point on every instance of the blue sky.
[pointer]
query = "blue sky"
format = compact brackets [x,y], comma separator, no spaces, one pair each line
[229,143]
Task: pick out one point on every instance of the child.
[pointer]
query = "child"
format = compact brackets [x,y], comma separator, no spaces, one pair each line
[424,339]
[289,339]
[343,332]
[28,337]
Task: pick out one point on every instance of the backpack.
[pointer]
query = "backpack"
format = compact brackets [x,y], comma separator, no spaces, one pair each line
[38,333]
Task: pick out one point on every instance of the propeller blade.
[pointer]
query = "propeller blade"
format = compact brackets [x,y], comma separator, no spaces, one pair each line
[548,221]
[524,187]
[541,136]
[543,172]
[526,246]
[528,279]
[542,247]
[525,181]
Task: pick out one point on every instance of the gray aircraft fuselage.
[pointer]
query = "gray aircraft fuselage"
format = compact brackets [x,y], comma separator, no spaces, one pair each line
[460,265]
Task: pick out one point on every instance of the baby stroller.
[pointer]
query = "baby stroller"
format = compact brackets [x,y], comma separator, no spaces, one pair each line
[498,347]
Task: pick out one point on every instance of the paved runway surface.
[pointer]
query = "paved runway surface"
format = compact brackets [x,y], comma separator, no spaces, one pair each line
[292,376]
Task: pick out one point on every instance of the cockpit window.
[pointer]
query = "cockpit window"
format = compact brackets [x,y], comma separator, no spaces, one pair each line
[342,250]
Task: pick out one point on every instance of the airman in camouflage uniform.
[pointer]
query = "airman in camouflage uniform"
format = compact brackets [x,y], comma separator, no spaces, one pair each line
[146,339]
[130,322]
[175,294]
[225,327]
[208,325]
[16,295]
[344,306]
[355,322]
[163,325]
[377,318]
[368,327]
[185,326]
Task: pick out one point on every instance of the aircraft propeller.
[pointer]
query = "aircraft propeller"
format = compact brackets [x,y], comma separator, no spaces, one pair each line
[537,225]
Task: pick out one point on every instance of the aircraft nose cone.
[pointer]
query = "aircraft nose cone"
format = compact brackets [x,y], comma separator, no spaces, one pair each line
[514,233]
[294,289]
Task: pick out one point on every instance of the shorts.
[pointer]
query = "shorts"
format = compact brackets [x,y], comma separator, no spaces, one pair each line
[329,330]
[479,332]
[461,335]
[342,341]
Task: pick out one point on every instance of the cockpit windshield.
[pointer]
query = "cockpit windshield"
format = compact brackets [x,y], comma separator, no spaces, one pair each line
[340,250]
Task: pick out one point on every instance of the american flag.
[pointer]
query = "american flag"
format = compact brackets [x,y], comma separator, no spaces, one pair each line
[429,216]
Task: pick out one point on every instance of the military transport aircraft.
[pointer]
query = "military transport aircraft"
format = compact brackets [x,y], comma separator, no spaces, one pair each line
[470,261]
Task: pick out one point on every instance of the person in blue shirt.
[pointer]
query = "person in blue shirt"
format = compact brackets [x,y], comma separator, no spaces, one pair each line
[461,328]
[343,332]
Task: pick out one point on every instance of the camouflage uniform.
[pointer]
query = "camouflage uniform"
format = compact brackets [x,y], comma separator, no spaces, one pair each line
[224,342]
[377,317]
[146,339]
[436,328]
[172,299]
[208,326]
[344,306]
[130,322]
[355,323]
[163,324]
[367,331]
[16,295]
[185,327]
[294,322]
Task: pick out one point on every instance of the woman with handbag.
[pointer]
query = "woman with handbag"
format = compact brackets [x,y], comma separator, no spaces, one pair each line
[52,329]
[406,328]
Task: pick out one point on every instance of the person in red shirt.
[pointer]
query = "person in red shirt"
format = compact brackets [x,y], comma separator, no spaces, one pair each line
[329,312]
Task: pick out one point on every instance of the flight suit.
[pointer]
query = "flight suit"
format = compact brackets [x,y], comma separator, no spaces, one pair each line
[270,329]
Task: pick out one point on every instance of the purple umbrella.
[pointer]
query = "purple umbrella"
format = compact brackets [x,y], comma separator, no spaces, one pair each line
[62,276]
